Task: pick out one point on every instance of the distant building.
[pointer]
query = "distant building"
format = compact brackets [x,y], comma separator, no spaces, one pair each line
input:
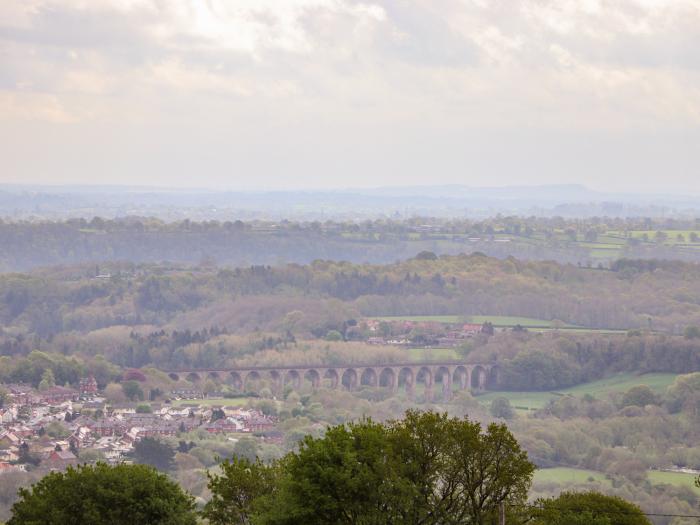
[61,459]
[58,394]
[88,387]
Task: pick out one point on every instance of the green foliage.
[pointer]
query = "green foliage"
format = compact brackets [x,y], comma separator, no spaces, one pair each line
[692,332]
[599,509]
[540,370]
[100,494]
[132,391]
[57,430]
[334,335]
[237,491]
[684,395]
[246,448]
[144,409]
[47,380]
[151,451]
[500,407]
[640,396]
[427,468]
[426,256]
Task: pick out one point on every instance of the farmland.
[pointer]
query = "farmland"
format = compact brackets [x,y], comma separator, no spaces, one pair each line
[563,476]
[612,385]
[500,321]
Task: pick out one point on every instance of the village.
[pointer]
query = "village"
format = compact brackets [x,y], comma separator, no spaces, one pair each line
[57,427]
[423,333]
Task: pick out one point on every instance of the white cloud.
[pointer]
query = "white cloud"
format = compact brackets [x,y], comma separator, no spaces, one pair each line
[330,77]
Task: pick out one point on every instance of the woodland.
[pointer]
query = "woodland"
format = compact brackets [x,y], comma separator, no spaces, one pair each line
[125,323]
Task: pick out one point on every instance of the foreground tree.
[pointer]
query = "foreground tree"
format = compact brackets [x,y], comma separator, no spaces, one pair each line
[588,508]
[237,491]
[103,495]
[426,469]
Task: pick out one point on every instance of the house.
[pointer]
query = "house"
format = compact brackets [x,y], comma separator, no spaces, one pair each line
[23,431]
[259,424]
[471,328]
[82,437]
[224,426]
[61,459]
[108,427]
[88,387]
[7,467]
[58,394]
[21,394]
[184,393]
[9,439]
[8,414]
[9,456]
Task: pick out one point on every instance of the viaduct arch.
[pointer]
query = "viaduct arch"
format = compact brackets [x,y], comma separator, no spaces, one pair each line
[446,376]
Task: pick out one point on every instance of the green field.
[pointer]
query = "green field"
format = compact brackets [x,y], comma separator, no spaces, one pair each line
[599,389]
[500,321]
[671,236]
[419,355]
[228,402]
[658,477]
[565,475]
[504,321]
[422,318]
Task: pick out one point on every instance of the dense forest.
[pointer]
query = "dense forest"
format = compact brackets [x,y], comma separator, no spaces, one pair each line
[661,296]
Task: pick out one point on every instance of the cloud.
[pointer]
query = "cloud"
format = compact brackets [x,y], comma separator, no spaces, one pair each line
[371,77]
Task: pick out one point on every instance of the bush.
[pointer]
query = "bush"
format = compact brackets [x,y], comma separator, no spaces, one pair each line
[500,407]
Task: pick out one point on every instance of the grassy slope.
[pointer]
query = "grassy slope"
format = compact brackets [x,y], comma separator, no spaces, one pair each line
[565,475]
[232,402]
[419,355]
[601,388]
[497,320]
[673,478]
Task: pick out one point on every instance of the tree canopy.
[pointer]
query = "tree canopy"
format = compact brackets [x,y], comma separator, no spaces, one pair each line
[589,508]
[427,469]
[104,495]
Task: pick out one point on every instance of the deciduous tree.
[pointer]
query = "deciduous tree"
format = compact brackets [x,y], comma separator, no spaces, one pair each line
[104,495]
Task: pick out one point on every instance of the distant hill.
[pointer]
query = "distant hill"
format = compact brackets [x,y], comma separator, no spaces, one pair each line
[54,202]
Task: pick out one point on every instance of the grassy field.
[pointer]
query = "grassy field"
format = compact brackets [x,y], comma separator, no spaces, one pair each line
[422,318]
[504,321]
[500,321]
[673,478]
[431,354]
[564,475]
[228,402]
[617,383]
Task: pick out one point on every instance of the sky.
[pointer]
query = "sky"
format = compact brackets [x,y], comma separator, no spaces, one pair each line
[301,94]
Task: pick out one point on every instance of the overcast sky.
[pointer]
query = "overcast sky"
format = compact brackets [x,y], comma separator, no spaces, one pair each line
[257,94]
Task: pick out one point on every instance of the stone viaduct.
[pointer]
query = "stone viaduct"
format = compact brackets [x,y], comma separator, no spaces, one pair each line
[449,375]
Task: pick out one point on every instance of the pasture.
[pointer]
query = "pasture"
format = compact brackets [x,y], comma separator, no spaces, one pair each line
[225,402]
[419,355]
[566,475]
[500,321]
[575,476]
[618,383]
